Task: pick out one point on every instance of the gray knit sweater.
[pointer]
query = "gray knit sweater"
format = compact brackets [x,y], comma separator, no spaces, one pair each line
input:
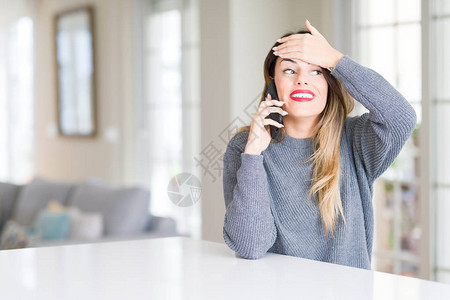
[266,196]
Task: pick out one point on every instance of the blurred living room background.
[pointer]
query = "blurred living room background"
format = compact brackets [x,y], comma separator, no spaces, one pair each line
[135,100]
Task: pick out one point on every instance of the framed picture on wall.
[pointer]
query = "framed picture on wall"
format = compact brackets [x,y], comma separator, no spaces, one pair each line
[75,72]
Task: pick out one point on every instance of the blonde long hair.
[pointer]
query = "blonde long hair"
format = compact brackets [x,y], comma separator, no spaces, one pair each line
[326,144]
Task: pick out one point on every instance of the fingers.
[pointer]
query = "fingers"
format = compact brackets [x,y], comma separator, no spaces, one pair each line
[299,37]
[293,55]
[293,50]
[292,46]
[272,122]
[271,109]
[269,102]
[290,40]
[268,107]
[311,28]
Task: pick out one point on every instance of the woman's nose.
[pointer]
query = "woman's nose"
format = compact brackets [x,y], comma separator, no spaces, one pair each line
[301,79]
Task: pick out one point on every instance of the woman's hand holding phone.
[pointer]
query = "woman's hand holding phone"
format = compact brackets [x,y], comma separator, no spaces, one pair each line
[259,136]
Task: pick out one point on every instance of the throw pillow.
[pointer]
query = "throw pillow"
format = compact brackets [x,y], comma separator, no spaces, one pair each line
[85,226]
[52,225]
[13,236]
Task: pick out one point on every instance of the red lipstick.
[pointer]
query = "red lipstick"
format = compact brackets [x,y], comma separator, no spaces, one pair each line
[302,95]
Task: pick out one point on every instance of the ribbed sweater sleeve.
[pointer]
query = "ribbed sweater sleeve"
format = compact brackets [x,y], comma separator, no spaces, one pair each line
[249,227]
[378,136]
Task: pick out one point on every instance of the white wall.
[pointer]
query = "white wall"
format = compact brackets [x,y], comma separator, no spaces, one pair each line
[215,102]
[64,158]
[245,32]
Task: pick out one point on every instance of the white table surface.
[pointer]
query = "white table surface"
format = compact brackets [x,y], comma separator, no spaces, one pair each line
[183,268]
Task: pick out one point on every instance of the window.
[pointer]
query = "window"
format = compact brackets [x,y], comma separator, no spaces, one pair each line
[168,108]
[16,101]
[440,112]
[388,40]
[387,37]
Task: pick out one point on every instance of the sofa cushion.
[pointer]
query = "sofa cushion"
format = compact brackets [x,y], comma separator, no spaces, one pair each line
[8,195]
[125,210]
[35,196]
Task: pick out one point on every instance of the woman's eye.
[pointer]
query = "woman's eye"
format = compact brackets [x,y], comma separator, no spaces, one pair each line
[289,71]
[317,72]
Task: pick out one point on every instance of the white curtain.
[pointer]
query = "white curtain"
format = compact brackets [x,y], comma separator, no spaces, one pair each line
[16,91]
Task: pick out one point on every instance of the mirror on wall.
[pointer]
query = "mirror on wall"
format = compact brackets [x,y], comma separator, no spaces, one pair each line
[75,72]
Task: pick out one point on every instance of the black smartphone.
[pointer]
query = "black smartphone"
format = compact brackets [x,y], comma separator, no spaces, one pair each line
[272,90]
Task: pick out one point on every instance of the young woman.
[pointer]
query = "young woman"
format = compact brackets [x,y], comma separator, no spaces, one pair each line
[310,195]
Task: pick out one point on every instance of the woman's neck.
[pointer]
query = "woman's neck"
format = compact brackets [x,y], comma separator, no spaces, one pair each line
[299,128]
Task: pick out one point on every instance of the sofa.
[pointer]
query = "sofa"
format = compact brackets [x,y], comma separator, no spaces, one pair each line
[47,213]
